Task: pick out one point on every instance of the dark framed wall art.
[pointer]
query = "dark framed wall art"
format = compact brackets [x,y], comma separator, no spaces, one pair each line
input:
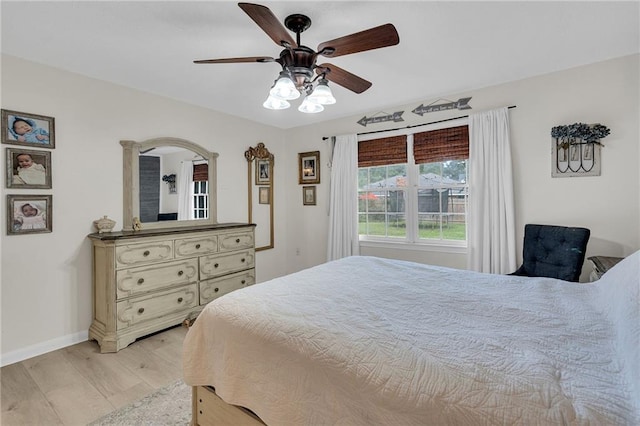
[309,167]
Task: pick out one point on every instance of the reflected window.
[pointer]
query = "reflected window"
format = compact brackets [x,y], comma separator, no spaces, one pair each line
[201,199]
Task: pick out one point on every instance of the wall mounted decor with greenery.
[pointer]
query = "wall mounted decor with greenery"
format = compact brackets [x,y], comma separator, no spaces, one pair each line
[576,149]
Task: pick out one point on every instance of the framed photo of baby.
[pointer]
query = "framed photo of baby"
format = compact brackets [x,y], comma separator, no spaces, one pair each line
[29,214]
[23,128]
[28,169]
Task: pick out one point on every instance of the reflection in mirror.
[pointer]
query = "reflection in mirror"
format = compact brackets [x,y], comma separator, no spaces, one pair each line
[173,185]
[260,164]
[168,182]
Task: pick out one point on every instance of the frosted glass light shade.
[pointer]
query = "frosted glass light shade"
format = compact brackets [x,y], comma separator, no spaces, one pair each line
[284,89]
[322,94]
[275,103]
[310,107]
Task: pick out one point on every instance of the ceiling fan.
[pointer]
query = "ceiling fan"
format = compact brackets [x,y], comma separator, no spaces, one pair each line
[299,62]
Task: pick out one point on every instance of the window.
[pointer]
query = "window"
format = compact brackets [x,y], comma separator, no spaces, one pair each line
[201,200]
[201,191]
[414,188]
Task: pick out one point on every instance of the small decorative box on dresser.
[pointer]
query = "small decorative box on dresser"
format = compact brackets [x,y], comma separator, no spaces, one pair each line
[148,280]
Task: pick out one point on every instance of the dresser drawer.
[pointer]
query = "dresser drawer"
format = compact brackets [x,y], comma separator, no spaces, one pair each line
[139,254]
[130,282]
[235,241]
[212,289]
[144,308]
[196,246]
[222,264]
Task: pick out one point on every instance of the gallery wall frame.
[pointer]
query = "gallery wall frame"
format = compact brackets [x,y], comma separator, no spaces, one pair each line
[263,171]
[29,214]
[309,167]
[308,195]
[264,195]
[28,169]
[27,129]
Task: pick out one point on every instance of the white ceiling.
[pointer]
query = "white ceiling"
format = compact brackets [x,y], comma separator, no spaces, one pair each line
[445,47]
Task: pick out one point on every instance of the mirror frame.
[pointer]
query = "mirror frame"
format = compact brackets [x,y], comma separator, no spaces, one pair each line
[131,182]
[260,152]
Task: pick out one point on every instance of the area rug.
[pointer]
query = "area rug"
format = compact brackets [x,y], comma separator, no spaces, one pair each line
[170,405]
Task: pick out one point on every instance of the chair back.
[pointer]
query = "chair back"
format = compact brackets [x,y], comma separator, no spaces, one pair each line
[554,251]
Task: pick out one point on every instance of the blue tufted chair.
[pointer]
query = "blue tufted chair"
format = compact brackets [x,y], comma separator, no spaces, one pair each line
[553,251]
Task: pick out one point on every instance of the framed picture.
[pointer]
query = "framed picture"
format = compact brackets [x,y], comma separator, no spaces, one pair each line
[29,214]
[23,128]
[309,195]
[28,169]
[263,171]
[309,167]
[264,195]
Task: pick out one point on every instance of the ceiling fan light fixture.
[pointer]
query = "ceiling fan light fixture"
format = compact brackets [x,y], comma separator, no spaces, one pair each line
[275,103]
[284,88]
[322,93]
[309,107]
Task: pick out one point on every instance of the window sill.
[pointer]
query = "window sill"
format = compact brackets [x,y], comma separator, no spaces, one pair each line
[441,247]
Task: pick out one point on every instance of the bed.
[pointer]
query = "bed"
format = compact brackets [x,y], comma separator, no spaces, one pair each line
[371,341]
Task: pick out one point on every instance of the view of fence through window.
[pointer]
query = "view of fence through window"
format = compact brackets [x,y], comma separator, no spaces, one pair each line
[439,210]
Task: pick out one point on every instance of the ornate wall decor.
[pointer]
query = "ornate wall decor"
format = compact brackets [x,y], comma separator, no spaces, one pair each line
[576,149]
[462,103]
[381,118]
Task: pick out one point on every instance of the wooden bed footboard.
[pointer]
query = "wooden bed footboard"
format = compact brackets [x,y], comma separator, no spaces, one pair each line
[209,409]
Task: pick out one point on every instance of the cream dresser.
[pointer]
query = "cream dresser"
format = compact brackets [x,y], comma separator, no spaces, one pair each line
[149,280]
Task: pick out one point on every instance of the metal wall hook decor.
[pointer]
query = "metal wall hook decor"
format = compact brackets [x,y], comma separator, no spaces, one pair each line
[576,149]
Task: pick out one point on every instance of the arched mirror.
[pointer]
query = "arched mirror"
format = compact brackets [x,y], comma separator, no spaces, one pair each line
[168,182]
[260,164]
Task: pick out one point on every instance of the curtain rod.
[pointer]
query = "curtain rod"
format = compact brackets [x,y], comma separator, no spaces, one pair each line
[324,138]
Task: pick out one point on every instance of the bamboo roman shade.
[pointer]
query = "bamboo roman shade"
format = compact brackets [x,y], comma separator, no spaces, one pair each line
[200,172]
[383,151]
[441,145]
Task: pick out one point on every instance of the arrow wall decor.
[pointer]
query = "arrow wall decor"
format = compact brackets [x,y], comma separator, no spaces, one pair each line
[396,116]
[462,103]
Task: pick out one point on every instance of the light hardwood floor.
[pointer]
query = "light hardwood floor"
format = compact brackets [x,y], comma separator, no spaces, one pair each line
[78,384]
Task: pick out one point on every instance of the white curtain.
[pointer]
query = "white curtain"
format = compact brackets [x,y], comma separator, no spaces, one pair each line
[491,233]
[343,199]
[185,197]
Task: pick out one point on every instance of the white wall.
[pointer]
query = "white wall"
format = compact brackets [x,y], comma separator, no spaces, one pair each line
[46,278]
[606,93]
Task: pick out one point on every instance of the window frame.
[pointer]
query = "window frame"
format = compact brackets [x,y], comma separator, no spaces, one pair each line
[412,240]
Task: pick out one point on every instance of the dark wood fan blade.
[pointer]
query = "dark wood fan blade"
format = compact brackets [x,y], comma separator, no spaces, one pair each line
[266,20]
[373,38]
[343,78]
[235,60]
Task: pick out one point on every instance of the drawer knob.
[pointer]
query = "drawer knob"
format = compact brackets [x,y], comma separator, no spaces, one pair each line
[216,265]
[180,273]
[237,240]
[242,260]
[243,281]
[141,310]
[215,290]
[179,299]
[146,253]
[197,246]
[140,280]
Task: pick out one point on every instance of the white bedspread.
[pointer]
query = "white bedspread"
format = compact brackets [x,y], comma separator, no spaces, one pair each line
[370,341]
